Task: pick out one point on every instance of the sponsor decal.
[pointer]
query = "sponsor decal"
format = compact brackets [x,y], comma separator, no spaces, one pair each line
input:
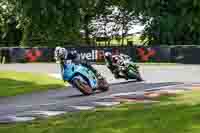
[33,54]
[146,54]
[96,55]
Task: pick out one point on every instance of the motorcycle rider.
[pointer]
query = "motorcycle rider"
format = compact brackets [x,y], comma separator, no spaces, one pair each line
[113,62]
[116,64]
[61,55]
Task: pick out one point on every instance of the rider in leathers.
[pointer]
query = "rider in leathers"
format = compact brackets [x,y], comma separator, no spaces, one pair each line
[62,54]
[113,62]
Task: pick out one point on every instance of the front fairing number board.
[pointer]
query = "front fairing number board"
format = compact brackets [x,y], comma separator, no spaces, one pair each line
[68,61]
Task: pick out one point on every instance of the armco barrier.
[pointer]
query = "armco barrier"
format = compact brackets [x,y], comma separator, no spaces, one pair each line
[185,55]
[178,54]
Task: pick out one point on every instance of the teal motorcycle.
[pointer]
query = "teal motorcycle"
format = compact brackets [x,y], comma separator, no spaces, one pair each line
[82,78]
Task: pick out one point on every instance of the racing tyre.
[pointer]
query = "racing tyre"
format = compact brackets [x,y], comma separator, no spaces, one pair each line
[103,85]
[139,78]
[135,73]
[82,87]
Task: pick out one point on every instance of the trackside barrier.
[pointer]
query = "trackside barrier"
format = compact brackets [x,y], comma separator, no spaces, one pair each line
[177,54]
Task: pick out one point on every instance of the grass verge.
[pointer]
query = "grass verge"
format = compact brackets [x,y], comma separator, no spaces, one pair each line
[14,83]
[173,114]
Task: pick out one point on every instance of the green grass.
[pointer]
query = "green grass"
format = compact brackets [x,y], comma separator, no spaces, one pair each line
[174,114]
[15,83]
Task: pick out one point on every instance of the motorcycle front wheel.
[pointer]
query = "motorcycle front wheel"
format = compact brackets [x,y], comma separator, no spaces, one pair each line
[82,87]
[134,73]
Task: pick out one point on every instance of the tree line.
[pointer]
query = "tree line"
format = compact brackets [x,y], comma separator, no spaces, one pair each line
[52,22]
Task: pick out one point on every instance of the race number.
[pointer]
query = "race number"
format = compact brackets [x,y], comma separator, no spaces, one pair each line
[68,62]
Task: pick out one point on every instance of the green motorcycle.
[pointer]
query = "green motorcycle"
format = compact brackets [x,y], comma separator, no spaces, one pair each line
[127,69]
[132,72]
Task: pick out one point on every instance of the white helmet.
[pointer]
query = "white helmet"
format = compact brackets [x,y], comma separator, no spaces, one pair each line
[60,53]
[108,58]
[108,55]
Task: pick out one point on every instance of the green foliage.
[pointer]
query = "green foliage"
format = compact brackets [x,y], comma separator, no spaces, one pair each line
[113,22]
[9,34]
[168,21]
[48,20]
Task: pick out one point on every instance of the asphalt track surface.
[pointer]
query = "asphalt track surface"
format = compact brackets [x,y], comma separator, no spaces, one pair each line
[151,73]
[54,102]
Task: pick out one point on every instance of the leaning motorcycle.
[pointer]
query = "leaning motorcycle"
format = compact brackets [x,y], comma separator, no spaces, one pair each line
[82,78]
[127,69]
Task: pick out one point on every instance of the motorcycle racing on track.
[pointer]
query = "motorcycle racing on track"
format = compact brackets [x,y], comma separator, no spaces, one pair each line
[122,66]
[81,75]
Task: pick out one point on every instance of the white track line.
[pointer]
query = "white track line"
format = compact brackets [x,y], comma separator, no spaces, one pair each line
[142,92]
[19,119]
[82,107]
[166,87]
[106,103]
[46,113]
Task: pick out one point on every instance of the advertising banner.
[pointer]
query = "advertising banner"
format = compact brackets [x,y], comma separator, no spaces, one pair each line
[31,55]
[178,54]
[152,54]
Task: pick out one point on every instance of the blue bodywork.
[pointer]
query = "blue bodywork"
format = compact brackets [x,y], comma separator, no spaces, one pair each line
[71,71]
